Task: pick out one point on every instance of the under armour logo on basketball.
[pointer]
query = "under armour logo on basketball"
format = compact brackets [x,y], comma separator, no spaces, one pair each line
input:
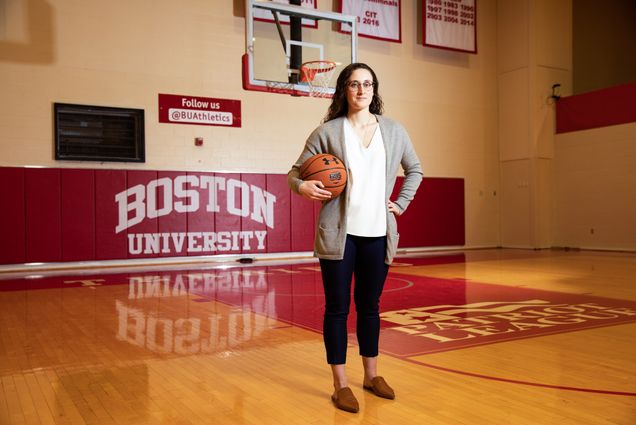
[333,159]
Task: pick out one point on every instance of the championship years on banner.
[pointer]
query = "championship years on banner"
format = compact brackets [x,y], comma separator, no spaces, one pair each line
[450,24]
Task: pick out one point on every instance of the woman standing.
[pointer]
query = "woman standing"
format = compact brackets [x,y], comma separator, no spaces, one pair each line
[357,231]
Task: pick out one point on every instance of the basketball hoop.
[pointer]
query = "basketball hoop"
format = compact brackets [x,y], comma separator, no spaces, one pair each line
[317,74]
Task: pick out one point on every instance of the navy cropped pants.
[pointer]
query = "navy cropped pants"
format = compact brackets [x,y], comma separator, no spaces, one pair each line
[364,260]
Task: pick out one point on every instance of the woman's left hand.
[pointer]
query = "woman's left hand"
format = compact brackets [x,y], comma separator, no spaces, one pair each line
[394,208]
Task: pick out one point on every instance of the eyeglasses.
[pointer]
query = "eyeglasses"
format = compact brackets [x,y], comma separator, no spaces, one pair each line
[355,85]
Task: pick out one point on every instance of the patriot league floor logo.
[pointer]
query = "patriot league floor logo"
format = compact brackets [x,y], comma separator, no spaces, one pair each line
[437,328]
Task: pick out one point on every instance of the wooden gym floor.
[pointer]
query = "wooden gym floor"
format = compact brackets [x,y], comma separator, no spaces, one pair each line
[476,337]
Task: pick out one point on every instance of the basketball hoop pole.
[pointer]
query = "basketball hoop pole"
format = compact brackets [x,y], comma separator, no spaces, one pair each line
[295,34]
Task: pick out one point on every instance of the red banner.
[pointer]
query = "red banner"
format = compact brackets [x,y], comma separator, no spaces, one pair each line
[450,24]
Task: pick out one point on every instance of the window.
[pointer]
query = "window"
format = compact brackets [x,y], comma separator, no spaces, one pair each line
[96,133]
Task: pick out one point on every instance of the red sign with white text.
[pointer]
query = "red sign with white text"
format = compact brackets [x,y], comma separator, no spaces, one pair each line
[180,109]
[376,19]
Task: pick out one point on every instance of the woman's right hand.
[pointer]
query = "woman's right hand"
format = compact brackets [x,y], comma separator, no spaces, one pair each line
[314,190]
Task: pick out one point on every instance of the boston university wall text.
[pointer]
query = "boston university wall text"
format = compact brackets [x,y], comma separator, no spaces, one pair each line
[188,194]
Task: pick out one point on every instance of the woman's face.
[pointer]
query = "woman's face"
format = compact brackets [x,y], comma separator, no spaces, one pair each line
[358,96]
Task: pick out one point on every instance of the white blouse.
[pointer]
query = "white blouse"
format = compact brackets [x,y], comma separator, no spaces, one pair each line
[366,212]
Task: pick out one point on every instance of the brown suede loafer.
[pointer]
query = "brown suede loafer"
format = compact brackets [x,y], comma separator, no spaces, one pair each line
[380,388]
[345,400]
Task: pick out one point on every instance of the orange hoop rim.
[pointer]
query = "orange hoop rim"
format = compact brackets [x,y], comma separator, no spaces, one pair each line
[316,70]
[317,75]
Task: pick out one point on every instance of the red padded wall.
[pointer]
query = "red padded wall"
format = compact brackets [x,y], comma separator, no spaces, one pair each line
[174,222]
[201,220]
[247,224]
[12,216]
[225,222]
[78,214]
[148,225]
[302,224]
[73,214]
[108,244]
[598,108]
[43,215]
[435,217]
[279,238]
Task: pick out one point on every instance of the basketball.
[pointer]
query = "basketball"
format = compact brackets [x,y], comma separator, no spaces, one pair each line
[328,169]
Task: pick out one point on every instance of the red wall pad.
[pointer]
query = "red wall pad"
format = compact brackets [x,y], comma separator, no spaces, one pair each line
[198,196]
[599,108]
[109,244]
[278,236]
[43,215]
[78,215]
[144,200]
[12,216]
[172,200]
[436,215]
[255,204]
[303,224]
[227,220]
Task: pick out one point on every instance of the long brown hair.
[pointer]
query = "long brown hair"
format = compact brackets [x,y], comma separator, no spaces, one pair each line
[339,105]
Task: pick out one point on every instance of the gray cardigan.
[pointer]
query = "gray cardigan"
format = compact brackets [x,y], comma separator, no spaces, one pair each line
[331,230]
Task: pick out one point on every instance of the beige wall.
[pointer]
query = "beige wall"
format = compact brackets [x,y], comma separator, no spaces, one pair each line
[595,188]
[534,52]
[576,189]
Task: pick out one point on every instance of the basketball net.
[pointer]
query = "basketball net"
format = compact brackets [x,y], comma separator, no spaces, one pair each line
[317,74]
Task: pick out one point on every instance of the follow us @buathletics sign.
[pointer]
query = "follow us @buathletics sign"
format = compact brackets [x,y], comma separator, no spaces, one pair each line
[182,109]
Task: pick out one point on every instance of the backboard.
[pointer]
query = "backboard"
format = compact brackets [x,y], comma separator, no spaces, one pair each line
[281,37]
